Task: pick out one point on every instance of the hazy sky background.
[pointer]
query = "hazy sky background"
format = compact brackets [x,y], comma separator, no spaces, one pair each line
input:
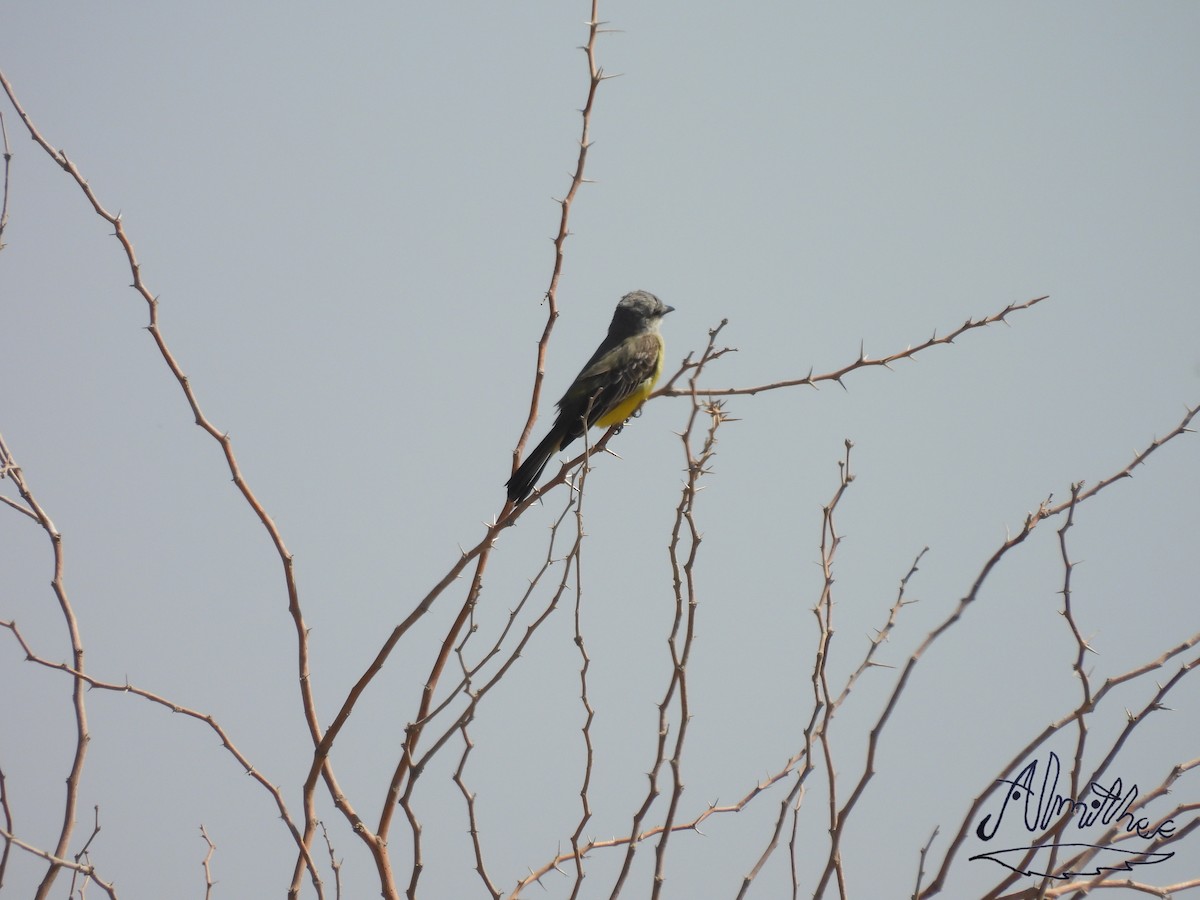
[347,216]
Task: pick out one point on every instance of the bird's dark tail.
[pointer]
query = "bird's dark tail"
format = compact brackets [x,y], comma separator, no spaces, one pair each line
[528,473]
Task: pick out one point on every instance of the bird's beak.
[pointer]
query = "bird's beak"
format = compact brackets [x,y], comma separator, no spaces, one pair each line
[667,309]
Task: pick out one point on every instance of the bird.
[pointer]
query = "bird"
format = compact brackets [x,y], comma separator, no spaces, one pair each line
[609,389]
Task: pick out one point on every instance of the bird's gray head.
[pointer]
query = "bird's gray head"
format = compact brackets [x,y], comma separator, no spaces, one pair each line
[641,305]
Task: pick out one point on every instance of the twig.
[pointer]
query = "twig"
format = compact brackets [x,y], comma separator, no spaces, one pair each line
[694,824]
[921,863]
[676,681]
[595,76]
[685,590]
[404,770]
[304,675]
[93,683]
[334,863]
[58,584]
[465,686]
[81,856]
[8,827]
[7,166]
[863,362]
[882,634]
[206,863]
[1045,510]
[57,862]
[589,713]
[473,822]
[822,697]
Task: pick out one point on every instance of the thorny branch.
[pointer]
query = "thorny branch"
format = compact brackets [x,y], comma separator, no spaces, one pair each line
[863,361]
[57,862]
[93,683]
[819,723]
[404,768]
[9,469]
[206,863]
[304,676]
[686,535]
[1092,700]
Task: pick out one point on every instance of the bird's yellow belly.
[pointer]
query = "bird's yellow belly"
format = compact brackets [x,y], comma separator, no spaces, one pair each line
[633,402]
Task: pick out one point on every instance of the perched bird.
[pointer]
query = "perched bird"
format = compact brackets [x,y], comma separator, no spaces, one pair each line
[608,390]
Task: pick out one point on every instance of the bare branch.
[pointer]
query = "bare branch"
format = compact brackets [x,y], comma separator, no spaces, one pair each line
[595,76]
[684,585]
[9,466]
[206,863]
[1044,511]
[94,683]
[304,675]
[862,362]
[57,862]
[7,166]
[921,862]
[822,697]
[334,863]
[6,810]
[589,713]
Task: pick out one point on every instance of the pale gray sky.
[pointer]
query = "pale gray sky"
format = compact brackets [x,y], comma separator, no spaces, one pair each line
[347,216]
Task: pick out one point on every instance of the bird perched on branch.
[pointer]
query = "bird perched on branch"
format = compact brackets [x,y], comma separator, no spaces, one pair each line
[610,388]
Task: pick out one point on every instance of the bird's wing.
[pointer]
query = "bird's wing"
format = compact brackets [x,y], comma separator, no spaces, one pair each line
[613,377]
